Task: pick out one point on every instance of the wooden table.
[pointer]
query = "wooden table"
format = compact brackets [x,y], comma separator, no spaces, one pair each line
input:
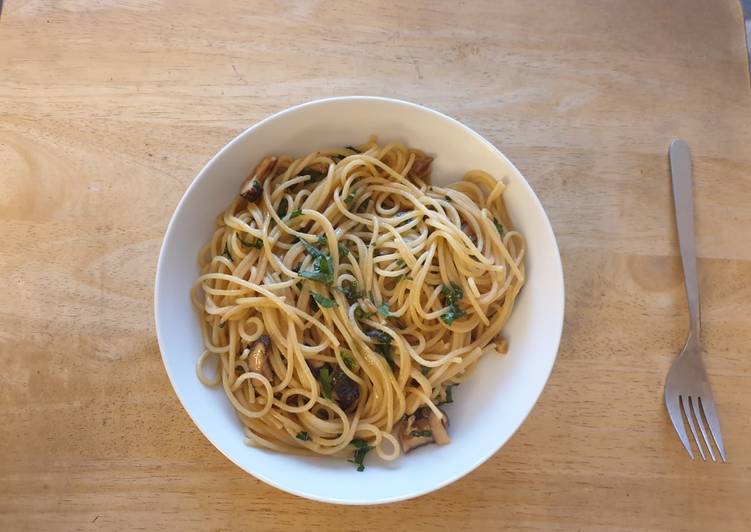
[109,108]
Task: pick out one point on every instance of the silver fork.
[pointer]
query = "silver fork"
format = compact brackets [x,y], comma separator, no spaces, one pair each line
[687,389]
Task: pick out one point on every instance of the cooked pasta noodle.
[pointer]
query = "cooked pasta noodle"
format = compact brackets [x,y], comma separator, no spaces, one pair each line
[342,296]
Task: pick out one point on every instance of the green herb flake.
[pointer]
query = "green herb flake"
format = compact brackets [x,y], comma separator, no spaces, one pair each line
[343,249]
[499,227]
[424,370]
[281,210]
[349,199]
[323,301]
[421,433]
[400,263]
[382,345]
[325,379]
[385,351]
[384,310]
[449,395]
[349,360]
[322,241]
[310,248]
[452,293]
[451,314]
[350,292]
[295,213]
[302,435]
[361,449]
[323,270]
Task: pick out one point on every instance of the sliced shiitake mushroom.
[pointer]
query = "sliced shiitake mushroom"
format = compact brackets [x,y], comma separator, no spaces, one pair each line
[421,167]
[344,390]
[258,360]
[421,428]
[252,188]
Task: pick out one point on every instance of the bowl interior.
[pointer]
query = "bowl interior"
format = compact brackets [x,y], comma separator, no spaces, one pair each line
[487,409]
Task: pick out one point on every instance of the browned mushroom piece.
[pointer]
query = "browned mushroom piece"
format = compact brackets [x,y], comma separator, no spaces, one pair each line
[344,390]
[421,167]
[253,185]
[258,358]
[421,428]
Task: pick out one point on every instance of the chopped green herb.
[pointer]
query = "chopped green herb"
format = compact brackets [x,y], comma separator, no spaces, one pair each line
[323,301]
[382,345]
[302,435]
[452,293]
[350,291]
[400,263]
[421,433]
[343,249]
[499,227]
[364,205]
[323,267]
[449,395]
[325,380]
[362,448]
[310,248]
[281,210]
[322,241]
[453,313]
[384,310]
[323,270]
[385,351]
[295,213]
[349,360]
[424,370]
[349,199]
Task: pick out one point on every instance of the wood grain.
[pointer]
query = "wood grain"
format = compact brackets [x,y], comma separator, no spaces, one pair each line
[108,109]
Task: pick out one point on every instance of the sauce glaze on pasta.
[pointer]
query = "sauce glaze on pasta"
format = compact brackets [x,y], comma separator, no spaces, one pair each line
[349,295]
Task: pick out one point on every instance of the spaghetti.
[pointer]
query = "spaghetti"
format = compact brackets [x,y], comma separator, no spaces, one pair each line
[342,296]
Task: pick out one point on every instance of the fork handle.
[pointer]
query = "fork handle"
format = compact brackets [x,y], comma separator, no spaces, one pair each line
[680,169]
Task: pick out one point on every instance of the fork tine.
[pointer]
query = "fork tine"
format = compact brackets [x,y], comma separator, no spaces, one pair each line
[699,421]
[707,406]
[674,411]
[689,418]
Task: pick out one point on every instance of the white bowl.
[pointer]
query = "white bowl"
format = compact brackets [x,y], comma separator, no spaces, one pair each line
[487,409]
